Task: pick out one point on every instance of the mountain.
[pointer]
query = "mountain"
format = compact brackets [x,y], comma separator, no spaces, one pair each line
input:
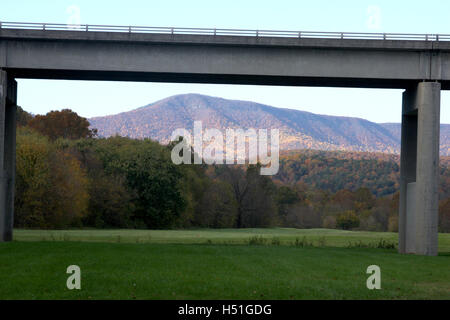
[298,129]
[395,130]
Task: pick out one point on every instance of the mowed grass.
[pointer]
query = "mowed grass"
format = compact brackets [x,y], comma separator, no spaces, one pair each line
[153,265]
[285,236]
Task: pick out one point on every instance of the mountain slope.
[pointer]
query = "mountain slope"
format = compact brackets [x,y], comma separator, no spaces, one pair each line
[298,129]
[395,129]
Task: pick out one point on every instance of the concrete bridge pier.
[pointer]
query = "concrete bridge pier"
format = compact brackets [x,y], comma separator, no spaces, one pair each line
[419,170]
[8,106]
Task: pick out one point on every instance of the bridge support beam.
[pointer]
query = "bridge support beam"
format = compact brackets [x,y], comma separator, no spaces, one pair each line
[419,170]
[8,106]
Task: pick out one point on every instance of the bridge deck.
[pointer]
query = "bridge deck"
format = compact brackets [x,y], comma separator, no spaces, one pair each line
[218,56]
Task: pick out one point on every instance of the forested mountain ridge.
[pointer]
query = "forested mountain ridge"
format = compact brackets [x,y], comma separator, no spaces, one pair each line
[298,129]
[338,170]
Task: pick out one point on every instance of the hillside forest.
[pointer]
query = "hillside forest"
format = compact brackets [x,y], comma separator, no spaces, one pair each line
[68,177]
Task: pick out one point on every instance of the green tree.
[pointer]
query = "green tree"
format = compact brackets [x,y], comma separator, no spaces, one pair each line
[151,177]
[218,207]
[110,203]
[194,185]
[286,197]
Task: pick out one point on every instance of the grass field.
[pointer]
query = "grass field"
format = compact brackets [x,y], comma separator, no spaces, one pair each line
[218,264]
[285,236]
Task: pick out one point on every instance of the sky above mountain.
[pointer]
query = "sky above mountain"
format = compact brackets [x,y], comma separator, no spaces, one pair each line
[100,98]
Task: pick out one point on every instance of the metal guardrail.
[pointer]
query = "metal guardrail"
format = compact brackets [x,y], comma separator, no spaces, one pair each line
[225,32]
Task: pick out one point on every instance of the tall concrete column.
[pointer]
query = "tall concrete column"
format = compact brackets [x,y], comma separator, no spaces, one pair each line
[408,159]
[427,176]
[419,170]
[8,100]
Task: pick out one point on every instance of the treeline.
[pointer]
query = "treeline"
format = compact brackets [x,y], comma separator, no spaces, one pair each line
[337,170]
[67,177]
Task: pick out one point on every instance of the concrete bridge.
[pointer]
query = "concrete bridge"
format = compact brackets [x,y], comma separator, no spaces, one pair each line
[420,64]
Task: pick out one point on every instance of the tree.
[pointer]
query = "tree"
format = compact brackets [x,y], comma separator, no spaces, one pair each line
[235,176]
[285,196]
[444,216]
[347,220]
[51,187]
[344,199]
[32,179]
[68,191]
[62,124]
[258,203]
[254,194]
[303,216]
[22,117]
[194,184]
[364,200]
[218,207]
[110,202]
[151,177]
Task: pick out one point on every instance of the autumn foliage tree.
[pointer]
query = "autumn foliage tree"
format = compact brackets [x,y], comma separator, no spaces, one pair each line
[64,124]
[51,186]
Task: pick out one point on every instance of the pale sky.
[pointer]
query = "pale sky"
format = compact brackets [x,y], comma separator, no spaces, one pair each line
[92,98]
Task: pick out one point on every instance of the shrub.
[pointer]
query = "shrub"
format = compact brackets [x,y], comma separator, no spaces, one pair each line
[303,242]
[257,240]
[347,220]
[276,241]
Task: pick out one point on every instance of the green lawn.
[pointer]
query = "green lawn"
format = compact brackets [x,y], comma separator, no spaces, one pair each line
[216,264]
[286,236]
